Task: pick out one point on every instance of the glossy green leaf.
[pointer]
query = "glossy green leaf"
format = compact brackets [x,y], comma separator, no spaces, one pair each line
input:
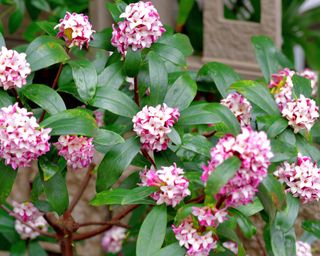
[122,196]
[279,154]
[196,143]
[7,177]
[19,248]
[45,97]
[277,127]
[245,224]
[36,250]
[7,229]
[47,26]
[178,41]
[169,53]
[5,99]
[112,76]
[181,93]
[221,75]
[15,20]
[115,162]
[85,78]
[115,9]
[252,208]
[132,62]
[257,94]
[307,149]
[71,121]
[102,39]
[312,226]
[171,250]
[220,176]
[105,138]
[158,79]
[114,101]
[44,51]
[301,85]
[42,5]
[49,167]
[185,7]
[266,55]
[152,232]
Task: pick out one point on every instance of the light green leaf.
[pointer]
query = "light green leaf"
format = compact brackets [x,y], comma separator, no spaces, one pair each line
[171,250]
[112,76]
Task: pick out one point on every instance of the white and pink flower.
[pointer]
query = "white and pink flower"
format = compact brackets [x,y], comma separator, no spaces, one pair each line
[27,213]
[140,28]
[301,113]
[231,246]
[173,186]
[303,249]
[239,106]
[21,138]
[99,117]
[76,30]
[152,125]
[77,150]
[14,69]
[254,150]
[112,239]
[208,216]
[302,178]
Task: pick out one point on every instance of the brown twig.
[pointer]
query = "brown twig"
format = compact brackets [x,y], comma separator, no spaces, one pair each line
[16,95]
[93,223]
[81,190]
[41,232]
[89,234]
[261,245]
[148,157]
[198,199]
[136,91]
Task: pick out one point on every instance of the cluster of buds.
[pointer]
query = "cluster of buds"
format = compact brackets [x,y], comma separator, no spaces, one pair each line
[99,117]
[208,216]
[239,106]
[112,239]
[173,186]
[302,178]
[21,138]
[27,213]
[303,249]
[197,240]
[254,150]
[77,150]
[313,77]
[231,246]
[76,30]
[14,69]
[152,125]
[140,28]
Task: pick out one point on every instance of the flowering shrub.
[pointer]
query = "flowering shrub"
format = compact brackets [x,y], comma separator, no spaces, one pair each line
[202,169]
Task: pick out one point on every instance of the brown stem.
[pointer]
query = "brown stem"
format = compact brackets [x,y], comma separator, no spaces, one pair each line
[66,245]
[261,245]
[16,95]
[26,224]
[80,191]
[93,223]
[209,134]
[136,91]
[220,202]
[198,199]
[89,234]
[148,157]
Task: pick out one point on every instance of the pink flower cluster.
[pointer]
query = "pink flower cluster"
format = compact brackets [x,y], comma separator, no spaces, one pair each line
[152,125]
[313,77]
[112,239]
[140,28]
[302,113]
[173,186]
[99,116]
[239,106]
[77,150]
[208,216]
[302,178]
[254,150]
[303,249]
[76,30]
[26,213]
[197,241]
[231,246]
[14,69]
[21,138]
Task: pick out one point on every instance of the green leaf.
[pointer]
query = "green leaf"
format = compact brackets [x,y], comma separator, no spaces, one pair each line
[257,94]
[221,75]
[114,101]
[115,162]
[36,250]
[7,229]
[307,149]
[185,7]
[152,232]
[42,5]
[174,137]
[5,99]
[312,226]
[49,167]
[158,78]
[178,41]
[71,121]
[196,143]
[181,93]
[44,51]
[47,26]
[19,248]
[221,175]
[102,40]
[252,208]
[85,78]
[123,196]
[301,85]
[105,138]
[116,9]
[245,224]
[272,196]
[266,55]
[56,192]
[279,154]
[2,41]
[169,53]
[112,76]
[132,62]
[7,177]
[171,250]
[45,97]
[15,20]
[277,127]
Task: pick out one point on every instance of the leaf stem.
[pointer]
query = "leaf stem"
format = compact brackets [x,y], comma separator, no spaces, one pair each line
[148,157]
[136,91]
